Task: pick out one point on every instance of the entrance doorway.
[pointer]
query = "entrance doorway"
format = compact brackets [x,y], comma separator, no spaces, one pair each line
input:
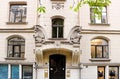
[57,66]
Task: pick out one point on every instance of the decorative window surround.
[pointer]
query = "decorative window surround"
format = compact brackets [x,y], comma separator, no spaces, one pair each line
[57,6]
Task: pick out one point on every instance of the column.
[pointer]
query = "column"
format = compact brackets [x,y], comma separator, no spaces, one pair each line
[9,71]
[107,72]
[20,71]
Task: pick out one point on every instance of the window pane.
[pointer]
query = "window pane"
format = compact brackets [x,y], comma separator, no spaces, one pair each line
[93,51]
[3,71]
[113,73]
[94,17]
[27,72]
[101,72]
[57,28]
[16,47]
[99,52]
[17,13]
[54,32]
[99,48]
[16,51]
[15,71]
[105,51]
[60,34]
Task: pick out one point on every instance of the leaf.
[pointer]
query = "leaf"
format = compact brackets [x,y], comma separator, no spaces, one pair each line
[41,9]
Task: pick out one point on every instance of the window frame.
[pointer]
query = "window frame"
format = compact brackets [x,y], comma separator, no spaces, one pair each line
[21,17]
[103,48]
[57,28]
[23,69]
[117,67]
[103,68]
[12,43]
[93,17]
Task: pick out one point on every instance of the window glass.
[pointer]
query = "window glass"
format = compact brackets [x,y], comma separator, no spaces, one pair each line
[113,72]
[3,71]
[27,72]
[57,28]
[96,19]
[16,47]
[101,72]
[15,71]
[99,48]
[18,13]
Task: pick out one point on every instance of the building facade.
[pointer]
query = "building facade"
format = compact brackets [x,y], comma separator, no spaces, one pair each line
[58,44]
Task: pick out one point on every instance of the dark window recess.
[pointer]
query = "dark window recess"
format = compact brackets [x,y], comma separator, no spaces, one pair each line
[57,28]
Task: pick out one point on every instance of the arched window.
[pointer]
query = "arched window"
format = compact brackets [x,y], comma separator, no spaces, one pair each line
[57,28]
[99,48]
[16,47]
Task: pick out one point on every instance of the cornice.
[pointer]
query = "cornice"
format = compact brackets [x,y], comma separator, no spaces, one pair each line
[90,31]
[17,30]
[101,64]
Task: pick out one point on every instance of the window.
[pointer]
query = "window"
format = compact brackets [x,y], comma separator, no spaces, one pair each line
[17,13]
[27,72]
[57,28]
[101,72]
[16,47]
[99,48]
[113,72]
[98,20]
[14,71]
[3,71]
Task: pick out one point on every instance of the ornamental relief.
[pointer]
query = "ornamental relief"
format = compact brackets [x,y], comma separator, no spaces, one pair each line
[39,35]
[57,6]
[76,35]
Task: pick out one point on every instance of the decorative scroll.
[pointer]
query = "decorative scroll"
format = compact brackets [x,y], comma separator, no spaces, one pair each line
[39,36]
[57,6]
[39,56]
[75,57]
[76,35]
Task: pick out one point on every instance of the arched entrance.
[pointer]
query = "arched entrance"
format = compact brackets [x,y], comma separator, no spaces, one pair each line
[57,66]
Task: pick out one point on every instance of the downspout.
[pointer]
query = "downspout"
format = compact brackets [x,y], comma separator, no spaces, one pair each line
[78,24]
[36,23]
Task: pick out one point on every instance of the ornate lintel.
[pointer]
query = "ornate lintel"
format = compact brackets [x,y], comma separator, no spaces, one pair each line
[57,6]
[76,58]
[39,56]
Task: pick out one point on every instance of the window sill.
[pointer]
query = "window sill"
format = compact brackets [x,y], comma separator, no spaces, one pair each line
[14,58]
[15,23]
[58,0]
[99,24]
[99,59]
[57,39]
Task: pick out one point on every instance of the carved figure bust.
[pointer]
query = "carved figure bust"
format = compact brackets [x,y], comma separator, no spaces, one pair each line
[76,35]
[39,36]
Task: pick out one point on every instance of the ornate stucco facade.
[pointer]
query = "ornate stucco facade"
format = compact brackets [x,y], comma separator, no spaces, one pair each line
[58,44]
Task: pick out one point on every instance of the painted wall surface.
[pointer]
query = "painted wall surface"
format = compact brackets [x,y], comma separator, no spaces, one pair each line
[111,31]
[89,73]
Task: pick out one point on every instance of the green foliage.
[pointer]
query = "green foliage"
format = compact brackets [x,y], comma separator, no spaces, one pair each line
[97,4]
[41,9]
